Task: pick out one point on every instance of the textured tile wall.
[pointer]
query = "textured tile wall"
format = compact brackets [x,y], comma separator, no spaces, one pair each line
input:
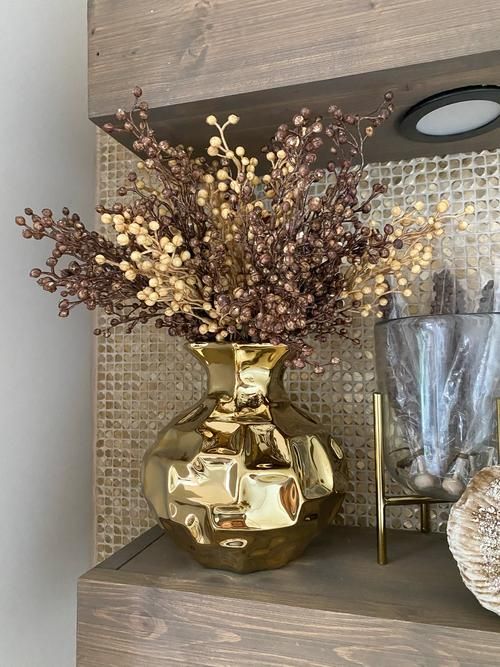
[144,378]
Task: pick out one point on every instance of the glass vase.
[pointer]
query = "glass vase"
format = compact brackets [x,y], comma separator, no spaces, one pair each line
[440,378]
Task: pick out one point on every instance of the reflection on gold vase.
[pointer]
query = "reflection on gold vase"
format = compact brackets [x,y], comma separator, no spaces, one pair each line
[244,479]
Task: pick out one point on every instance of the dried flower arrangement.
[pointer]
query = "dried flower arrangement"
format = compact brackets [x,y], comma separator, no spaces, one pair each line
[213,251]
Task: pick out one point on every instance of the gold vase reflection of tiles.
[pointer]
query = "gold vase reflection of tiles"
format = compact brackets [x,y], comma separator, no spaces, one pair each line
[144,379]
[243,480]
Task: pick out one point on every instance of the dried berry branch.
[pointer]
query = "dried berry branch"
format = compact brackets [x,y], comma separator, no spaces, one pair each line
[211,250]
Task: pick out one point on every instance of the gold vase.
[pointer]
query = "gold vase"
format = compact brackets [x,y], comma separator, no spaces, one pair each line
[244,479]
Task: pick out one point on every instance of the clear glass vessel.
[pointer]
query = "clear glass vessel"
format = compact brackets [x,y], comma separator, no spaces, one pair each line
[440,378]
[244,479]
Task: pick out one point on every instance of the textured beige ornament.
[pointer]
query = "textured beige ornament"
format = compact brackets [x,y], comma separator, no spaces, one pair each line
[474,537]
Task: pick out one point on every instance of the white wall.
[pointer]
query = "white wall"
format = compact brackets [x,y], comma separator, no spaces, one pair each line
[46,159]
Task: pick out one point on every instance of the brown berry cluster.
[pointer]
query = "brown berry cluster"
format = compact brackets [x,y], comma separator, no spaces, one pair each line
[230,247]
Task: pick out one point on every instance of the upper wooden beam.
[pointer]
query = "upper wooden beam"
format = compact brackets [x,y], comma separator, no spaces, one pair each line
[265,59]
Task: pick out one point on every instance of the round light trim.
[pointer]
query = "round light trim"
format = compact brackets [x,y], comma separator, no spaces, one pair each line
[459,117]
[453,115]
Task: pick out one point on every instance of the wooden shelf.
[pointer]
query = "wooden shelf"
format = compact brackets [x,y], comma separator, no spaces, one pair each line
[150,604]
[265,60]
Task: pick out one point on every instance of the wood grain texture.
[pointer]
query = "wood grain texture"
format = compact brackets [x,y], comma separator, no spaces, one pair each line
[264,60]
[193,48]
[332,607]
[190,629]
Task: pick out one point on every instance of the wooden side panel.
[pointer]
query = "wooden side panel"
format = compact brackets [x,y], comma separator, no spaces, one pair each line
[136,626]
[265,60]
[189,50]
[337,573]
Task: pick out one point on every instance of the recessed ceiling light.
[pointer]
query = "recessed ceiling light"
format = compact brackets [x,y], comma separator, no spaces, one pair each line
[454,114]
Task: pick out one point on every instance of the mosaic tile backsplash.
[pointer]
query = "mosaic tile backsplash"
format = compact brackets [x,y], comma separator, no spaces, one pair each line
[146,377]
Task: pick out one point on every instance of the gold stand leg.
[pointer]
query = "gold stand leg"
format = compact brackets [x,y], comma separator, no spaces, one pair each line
[381,541]
[384,501]
[425,518]
[379,478]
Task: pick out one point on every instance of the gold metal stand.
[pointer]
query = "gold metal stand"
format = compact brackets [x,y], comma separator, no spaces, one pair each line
[384,501]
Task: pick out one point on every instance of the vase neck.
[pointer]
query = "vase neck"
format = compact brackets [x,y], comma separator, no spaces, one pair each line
[243,379]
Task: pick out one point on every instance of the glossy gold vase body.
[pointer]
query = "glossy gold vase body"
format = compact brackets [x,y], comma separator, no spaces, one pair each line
[244,479]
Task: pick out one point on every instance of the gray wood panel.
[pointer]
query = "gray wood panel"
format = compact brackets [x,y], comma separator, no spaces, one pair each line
[133,625]
[334,606]
[191,49]
[264,60]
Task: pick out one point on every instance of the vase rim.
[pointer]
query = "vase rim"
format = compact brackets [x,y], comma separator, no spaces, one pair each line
[235,345]
[435,316]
